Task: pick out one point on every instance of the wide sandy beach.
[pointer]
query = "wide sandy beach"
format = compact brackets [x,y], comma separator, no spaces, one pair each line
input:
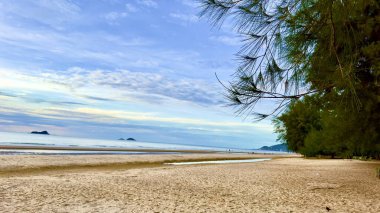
[141,183]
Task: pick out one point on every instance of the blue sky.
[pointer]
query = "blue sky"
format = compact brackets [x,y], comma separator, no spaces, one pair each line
[120,68]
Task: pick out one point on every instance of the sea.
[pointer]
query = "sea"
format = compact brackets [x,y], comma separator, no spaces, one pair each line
[37,140]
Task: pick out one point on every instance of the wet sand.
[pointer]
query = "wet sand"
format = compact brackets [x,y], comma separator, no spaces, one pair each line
[115,149]
[141,183]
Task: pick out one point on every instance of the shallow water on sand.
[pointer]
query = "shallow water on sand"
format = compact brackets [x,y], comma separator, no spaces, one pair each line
[219,161]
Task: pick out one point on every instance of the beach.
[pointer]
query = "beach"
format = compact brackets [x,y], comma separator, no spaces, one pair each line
[143,183]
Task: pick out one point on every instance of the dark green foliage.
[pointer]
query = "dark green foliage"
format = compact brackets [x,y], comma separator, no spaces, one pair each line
[312,129]
[295,124]
[321,60]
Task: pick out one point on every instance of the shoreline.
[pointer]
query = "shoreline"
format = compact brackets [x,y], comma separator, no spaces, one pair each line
[126,149]
[33,164]
[115,149]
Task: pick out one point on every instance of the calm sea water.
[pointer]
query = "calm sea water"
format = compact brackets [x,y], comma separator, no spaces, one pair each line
[26,139]
[20,139]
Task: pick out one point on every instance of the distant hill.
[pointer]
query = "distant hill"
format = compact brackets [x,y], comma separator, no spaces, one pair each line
[40,133]
[277,147]
[130,139]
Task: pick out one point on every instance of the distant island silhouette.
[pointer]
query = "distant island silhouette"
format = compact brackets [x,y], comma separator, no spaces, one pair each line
[40,133]
[128,139]
[277,147]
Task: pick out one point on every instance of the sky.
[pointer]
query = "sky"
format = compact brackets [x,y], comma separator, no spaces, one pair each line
[121,68]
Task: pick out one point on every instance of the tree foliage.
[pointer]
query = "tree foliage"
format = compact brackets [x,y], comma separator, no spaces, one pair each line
[298,121]
[320,59]
[312,128]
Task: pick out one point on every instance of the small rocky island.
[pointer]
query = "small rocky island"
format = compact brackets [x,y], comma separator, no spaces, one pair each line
[40,133]
[128,139]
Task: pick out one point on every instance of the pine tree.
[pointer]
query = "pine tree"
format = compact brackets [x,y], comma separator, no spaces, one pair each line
[325,49]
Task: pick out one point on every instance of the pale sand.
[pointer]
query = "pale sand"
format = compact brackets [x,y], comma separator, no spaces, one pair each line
[280,185]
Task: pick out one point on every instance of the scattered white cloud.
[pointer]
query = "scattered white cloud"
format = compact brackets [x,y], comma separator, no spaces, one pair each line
[185,89]
[23,83]
[138,116]
[54,14]
[148,3]
[63,6]
[110,49]
[147,63]
[189,18]
[6,121]
[130,8]
[190,3]
[227,40]
[42,87]
[112,16]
